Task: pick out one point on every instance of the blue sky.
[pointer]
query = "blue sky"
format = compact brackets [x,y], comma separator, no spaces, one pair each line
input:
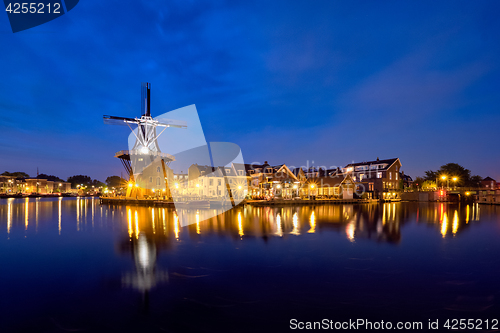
[289,82]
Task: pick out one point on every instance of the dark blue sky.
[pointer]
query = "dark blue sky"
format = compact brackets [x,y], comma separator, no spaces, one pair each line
[325,81]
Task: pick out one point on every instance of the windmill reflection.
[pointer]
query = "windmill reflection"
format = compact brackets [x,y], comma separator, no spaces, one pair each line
[142,244]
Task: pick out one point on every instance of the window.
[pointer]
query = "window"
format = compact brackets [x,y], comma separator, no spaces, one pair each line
[230,181]
[396,176]
[211,182]
[150,179]
[361,176]
[218,183]
[379,174]
[240,172]
[158,169]
[175,177]
[228,170]
[157,180]
[390,175]
[370,187]
[336,190]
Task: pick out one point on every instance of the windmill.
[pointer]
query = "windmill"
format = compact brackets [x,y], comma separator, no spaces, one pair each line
[145,151]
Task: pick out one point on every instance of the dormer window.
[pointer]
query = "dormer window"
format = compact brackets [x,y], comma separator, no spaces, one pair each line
[240,172]
[228,170]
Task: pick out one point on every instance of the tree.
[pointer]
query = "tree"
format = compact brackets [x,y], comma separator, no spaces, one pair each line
[451,170]
[17,174]
[428,185]
[115,181]
[475,181]
[430,175]
[80,179]
[50,177]
[418,182]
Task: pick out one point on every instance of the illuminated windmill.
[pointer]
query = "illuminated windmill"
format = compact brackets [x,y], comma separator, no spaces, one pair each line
[145,151]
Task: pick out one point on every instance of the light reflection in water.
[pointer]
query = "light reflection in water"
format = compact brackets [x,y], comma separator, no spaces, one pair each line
[136,225]
[176,226]
[240,226]
[312,223]
[455,223]
[59,215]
[350,229]
[36,214]
[130,231]
[26,213]
[9,216]
[153,219]
[444,223]
[295,221]
[78,213]
[357,221]
[198,231]
[279,228]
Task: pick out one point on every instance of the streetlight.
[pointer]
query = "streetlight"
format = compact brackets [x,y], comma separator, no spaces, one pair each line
[443,178]
[455,182]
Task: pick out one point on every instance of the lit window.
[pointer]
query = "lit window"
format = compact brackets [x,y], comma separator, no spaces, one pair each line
[396,176]
[379,174]
[390,175]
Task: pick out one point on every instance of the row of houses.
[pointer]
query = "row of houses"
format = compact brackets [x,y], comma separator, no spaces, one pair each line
[372,179]
[12,185]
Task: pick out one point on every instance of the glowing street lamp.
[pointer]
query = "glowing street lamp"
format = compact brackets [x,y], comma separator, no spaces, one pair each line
[447,181]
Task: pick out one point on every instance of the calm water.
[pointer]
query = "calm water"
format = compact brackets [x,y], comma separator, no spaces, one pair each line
[73,265]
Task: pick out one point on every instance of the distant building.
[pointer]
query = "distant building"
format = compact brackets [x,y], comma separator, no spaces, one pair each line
[44,186]
[8,184]
[489,183]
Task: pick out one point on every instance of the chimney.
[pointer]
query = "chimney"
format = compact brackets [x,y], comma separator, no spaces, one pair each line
[378,159]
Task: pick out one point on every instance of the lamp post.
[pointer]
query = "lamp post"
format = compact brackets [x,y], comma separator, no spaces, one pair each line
[445,178]
[455,182]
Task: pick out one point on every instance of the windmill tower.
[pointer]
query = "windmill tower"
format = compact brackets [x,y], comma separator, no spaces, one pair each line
[145,154]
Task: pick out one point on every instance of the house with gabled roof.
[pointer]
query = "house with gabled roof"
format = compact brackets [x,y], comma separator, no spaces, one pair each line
[489,183]
[374,176]
[284,183]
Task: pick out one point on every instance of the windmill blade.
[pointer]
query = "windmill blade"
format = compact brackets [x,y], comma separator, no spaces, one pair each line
[171,123]
[121,121]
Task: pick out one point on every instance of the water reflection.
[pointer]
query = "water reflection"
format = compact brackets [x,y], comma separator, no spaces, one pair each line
[380,222]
